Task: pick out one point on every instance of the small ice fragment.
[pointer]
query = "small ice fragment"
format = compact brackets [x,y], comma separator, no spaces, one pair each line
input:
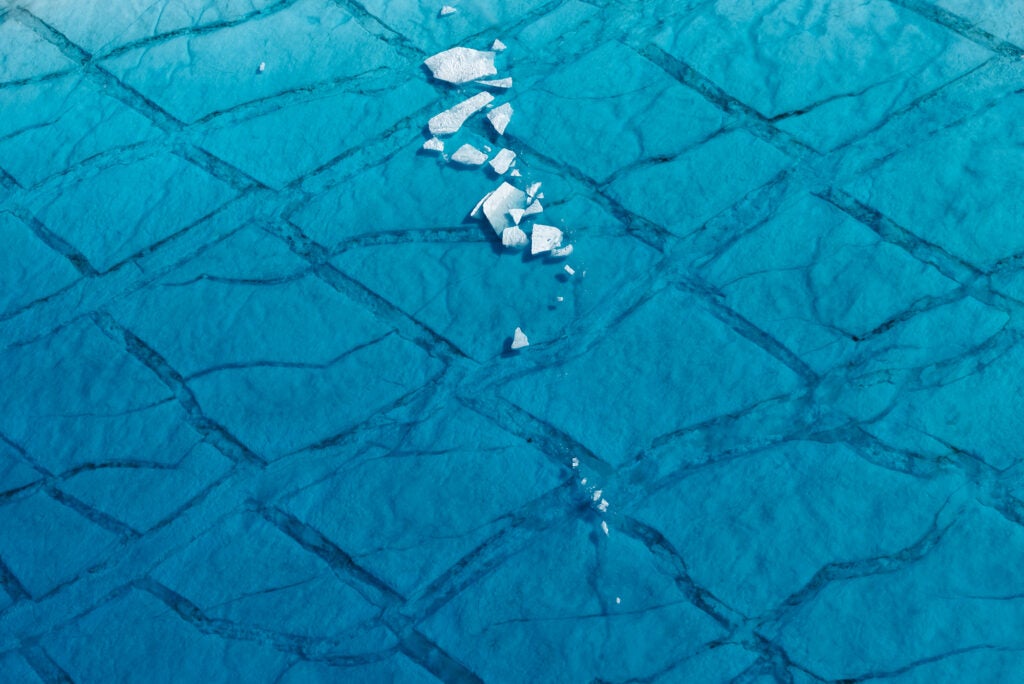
[569,269]
[469,156]
[504,83]
[515,173]
[583,481]
[497,45]
[500,116]
[562,251]
[519,339]
[262,67]
[433,145]
[603,506]
[534,208]
[461,65]
[575,462]
[516,214]
[545,238]
[502,161]
[604,527]
[531,191]
[498,204]
[514,237]
[451,120]
[559,299]
[618,600]
[540,195]
[476,210]
[446,10]
[596,495]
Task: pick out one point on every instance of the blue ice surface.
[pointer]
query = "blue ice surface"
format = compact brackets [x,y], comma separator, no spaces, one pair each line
[259,418]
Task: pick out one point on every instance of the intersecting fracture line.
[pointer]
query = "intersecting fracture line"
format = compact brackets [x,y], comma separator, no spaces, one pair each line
[231,174]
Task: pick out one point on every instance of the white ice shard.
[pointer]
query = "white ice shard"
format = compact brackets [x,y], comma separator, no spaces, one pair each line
[604,527]
[532,190]
[502,161]
[569,269]
[433,145]
[497,45]
[262,67]
[514,237]
[451,120]
[517,215]
[461,65]
[477,213]
[498,204]
[559,298]
[575,462]
[544,238]
[534,208]
[500,116]
[469,156]
[603,506]
[519,339]
[446,10]
[515,173]
[562,251]
[504,83]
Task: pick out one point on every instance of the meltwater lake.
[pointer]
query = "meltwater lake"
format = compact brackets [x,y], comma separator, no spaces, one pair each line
[648,341]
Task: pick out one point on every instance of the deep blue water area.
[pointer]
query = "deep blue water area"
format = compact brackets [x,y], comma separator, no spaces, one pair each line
[639,341]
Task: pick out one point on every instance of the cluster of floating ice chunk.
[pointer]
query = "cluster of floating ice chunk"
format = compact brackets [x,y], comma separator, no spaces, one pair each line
[508,209]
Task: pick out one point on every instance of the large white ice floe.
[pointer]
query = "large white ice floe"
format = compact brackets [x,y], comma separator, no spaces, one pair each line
[498,204]
[433,145]
[500,116]
[502,161]
[450,120]
[514,237]
[461,65]
[544,238]
[469,156]
[519,339]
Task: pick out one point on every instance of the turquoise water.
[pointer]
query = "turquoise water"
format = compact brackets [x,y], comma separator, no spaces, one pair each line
[260,417]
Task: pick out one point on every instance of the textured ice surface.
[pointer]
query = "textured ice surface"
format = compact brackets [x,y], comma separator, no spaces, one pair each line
[500,117]
[261,419]
[502,161]
[461,64]
[469,156]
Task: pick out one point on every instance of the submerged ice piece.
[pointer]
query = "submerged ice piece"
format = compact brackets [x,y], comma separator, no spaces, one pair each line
[497,205]
[500,116]
[504,83]
[469,156]
[544,238]
[450,120]
[519,339]
[461,65]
